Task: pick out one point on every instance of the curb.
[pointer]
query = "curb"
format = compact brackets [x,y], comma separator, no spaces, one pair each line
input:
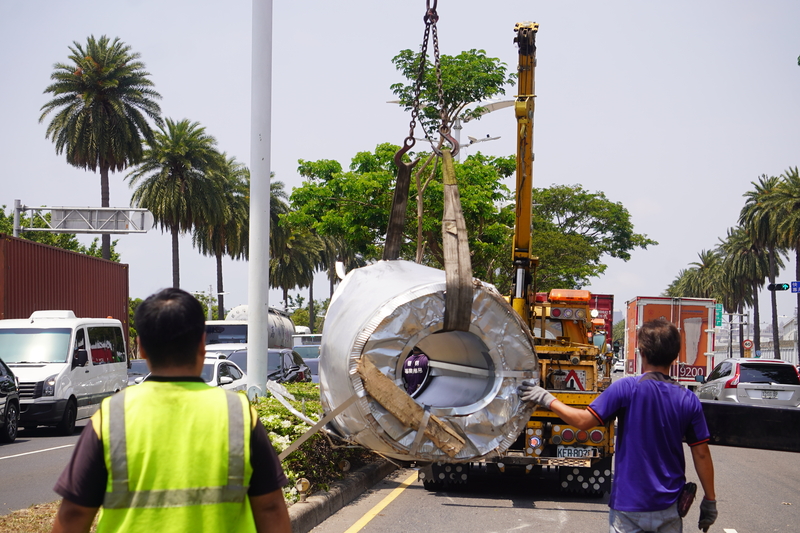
[306,515]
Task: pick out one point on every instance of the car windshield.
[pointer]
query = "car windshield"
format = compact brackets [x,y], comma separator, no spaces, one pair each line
[138,366]
[240,358]
[273,360]
[768,373]
[208,372]
[226,334]
[25,345]
[307,352]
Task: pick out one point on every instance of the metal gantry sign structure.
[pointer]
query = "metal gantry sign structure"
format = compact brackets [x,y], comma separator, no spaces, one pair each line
[117,220]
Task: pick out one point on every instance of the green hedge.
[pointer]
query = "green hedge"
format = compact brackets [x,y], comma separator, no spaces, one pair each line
[316,460]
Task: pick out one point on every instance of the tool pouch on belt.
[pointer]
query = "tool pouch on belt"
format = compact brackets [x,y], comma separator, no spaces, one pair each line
[686,498]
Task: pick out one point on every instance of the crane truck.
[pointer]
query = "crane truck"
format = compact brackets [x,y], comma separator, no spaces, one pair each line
[573,367]
[569,337]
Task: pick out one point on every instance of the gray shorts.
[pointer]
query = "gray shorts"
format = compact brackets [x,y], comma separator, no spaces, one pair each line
[665,521]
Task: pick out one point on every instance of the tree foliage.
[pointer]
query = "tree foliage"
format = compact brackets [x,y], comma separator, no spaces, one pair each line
[574,229]
[102,99]
[468,78]
[180,180]
[353,206]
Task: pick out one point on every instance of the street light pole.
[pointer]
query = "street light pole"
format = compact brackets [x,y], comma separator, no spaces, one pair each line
[260,163]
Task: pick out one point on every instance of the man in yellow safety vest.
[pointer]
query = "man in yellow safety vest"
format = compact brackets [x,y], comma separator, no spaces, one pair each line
[173,454]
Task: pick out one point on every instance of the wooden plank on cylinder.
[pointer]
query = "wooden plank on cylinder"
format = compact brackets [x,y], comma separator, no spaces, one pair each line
[406,410]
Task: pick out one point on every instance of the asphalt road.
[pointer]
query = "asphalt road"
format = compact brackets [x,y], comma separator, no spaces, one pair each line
[757,491]
[30,466]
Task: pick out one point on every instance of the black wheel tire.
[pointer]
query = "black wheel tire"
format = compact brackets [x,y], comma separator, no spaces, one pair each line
[9,433]
[67,425]
[432,486]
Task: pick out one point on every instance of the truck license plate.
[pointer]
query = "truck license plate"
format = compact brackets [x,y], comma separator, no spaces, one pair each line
[574,451]
[769,394]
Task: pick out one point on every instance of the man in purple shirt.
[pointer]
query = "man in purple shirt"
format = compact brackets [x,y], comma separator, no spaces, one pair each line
[655,416]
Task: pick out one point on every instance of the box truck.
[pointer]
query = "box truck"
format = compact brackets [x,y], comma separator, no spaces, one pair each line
[694,318]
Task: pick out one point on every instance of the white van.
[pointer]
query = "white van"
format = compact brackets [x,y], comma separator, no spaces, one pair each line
[65,365]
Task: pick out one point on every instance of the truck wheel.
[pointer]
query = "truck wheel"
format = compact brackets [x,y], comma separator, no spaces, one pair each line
[67,424]
[9,433]
[433,486]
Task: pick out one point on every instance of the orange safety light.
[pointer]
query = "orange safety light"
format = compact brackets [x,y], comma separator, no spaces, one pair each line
[569,295]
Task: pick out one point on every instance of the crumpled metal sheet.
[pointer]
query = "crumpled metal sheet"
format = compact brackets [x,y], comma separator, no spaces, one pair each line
[380,312]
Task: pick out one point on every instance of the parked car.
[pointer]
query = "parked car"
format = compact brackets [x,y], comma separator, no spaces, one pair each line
[137,368]
[310,355]
[224,373]
[283,366]
[753,381]
[9,404]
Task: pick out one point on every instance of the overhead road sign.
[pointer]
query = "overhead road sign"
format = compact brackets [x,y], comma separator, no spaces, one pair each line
[116,220]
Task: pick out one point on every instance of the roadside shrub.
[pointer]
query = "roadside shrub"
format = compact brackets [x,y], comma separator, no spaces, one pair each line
[316,460]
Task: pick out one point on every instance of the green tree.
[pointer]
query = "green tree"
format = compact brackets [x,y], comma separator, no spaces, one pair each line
[746,268]
[786,201]
[466,80]
[294,259]
[573,229]
[180,181]
[469,78]
[703,278]
[353,207]
[230,236]
[618,333]
[133,347]
[760,216]
[101,100]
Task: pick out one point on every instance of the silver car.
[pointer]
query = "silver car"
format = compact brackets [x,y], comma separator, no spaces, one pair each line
[753,381]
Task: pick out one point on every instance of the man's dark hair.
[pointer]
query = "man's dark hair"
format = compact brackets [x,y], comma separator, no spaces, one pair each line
[659,342]
[170,325]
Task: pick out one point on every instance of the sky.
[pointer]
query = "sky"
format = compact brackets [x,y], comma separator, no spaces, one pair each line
[671,108]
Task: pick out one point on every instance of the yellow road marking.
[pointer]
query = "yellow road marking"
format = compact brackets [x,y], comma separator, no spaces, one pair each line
[364,520]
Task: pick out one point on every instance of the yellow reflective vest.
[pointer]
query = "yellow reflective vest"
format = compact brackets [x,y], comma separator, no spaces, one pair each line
[178,459]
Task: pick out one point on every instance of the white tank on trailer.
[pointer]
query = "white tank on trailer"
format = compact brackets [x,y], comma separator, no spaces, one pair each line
[377,315]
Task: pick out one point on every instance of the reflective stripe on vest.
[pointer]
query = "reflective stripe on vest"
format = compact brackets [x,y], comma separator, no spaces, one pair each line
[121,497]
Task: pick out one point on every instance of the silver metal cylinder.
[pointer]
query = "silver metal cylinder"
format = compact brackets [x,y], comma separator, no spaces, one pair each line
[381,312]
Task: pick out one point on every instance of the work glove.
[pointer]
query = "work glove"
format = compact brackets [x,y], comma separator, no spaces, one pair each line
[708,514]
[530,392]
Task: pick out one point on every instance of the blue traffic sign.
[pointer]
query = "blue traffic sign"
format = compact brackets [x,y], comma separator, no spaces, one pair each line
[796,286]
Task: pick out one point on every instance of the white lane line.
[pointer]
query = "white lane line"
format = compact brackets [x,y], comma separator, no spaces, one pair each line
[37,451]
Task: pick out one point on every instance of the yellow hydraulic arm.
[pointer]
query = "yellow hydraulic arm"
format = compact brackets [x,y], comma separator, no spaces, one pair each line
[524,261]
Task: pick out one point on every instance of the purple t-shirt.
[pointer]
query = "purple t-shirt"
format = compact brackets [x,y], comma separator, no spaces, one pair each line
[655,416]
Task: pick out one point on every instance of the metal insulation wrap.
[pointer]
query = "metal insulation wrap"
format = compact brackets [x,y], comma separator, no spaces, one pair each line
[380,312]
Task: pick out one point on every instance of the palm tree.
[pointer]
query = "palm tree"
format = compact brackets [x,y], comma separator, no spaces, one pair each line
[758,216]
[232,235]
[295,255]
[747,267]
[786,199]
[180,181]
[100,102]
